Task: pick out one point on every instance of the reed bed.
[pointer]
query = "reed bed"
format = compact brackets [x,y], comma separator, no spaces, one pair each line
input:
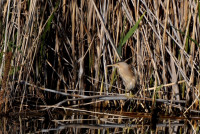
[65,46]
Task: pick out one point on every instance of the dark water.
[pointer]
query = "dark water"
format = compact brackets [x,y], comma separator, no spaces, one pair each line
[78,121]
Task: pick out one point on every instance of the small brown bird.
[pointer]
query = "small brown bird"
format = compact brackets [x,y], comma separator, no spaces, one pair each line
[128,76]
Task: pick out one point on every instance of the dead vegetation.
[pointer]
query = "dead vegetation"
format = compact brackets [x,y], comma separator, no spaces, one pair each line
[64,46]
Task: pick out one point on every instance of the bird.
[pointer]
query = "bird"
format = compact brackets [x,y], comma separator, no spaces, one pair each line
[128,76]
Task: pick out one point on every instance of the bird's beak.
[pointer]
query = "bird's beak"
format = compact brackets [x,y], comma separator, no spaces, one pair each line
[112,65]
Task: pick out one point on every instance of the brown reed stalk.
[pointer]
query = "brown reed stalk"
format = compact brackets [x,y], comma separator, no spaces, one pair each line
[4,89]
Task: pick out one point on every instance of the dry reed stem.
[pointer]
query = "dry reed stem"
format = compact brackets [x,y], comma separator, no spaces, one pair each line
[4,89]
[106,31]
